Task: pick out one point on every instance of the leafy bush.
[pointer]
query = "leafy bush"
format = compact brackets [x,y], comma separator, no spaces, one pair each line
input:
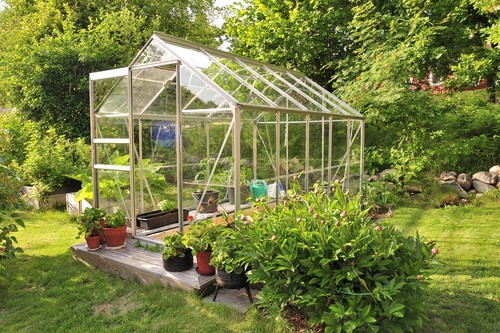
[323,255]
[202,235]
[8,247]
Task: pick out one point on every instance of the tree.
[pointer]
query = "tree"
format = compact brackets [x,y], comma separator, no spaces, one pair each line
[303,35]
[336,41]
[48,48]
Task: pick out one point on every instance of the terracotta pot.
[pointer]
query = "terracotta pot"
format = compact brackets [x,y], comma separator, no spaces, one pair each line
[178,264]
[93,242]
[203,260]
[115,237]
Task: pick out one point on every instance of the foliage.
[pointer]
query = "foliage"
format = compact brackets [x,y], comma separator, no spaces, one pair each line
[116,220]
[226,251]
[8,242]
[48,48]
[379,194]
[157,248]
[323,255]
[9,187]
[166,205]
[40,156]
[201,235]
[89,223]
[174,246]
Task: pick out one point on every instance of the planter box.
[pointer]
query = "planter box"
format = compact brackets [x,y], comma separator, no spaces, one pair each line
[157,218]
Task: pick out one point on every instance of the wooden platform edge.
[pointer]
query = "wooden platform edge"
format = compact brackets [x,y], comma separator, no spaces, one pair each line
[133,273]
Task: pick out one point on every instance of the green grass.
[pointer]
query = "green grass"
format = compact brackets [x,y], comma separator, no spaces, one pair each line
[464,295]
[46,290]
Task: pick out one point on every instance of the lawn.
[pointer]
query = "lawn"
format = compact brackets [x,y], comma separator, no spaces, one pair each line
[45,290]
[464,295]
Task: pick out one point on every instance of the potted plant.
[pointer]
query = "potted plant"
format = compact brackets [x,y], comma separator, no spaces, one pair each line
[201,237]
[176,255]
[230,272]
[115,230]
[166,214]
[89,225]
[208,200]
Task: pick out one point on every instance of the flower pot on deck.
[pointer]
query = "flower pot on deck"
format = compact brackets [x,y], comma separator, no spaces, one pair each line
[179,264]
[115,237]
[203,261]
[93,242]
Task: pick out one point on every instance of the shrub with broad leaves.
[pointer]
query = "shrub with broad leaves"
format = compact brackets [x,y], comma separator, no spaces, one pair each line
[322,254]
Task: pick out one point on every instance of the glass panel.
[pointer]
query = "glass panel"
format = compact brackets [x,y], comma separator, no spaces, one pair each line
[149,84]
[107,127]
[256,82]
[331,102]
[318,146]
[339,148]
[198,95]
[299,93]
[113,154]
[110,96]
[114,190]
[155,53]
[155,163]
[221,77]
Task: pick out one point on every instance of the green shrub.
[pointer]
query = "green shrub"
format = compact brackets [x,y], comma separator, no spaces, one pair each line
[322,254]
[9,222]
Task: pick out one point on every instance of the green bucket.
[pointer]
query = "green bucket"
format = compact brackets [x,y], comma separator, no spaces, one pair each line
[258,188]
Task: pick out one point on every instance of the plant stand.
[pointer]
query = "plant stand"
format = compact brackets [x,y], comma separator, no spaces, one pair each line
[231,281]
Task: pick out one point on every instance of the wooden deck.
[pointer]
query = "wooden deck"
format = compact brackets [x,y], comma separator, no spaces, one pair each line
[140,265]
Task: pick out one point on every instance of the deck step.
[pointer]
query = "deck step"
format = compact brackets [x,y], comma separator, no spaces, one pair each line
[144,266]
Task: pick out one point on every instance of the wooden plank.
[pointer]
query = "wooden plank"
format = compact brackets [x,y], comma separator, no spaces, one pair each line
[140,265]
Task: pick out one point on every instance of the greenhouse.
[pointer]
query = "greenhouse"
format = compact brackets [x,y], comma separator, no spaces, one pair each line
[207,130]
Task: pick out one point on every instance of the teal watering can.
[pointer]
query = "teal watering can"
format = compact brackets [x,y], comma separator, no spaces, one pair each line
[258,188]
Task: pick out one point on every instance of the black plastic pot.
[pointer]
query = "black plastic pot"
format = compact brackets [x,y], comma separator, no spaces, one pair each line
[158,218]
[179,264]
[230,280]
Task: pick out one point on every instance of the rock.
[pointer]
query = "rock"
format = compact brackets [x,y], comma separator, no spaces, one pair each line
[498,182]
[482,187]
[413,189]
[495,170]
[452,185]
[448,175]
[485,177]
[375,177]
[386,172]
[465,181]
[473,192]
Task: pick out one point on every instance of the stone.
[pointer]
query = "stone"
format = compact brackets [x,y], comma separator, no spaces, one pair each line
[473,192]
[413,189]
[498,182]
[452,185]
[495,170]
[448,175]
[375,177]
[465,181]
[387,172]
[482,187]
[485,177]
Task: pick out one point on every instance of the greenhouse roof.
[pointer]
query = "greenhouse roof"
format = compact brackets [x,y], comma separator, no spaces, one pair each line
[218,80]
